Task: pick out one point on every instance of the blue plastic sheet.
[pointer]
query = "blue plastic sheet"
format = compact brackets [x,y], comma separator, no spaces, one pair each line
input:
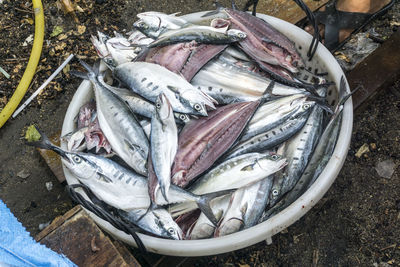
[18,248]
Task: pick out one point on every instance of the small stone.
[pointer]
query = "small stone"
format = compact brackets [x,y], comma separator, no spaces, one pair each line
[385,168]
[43,225]
[49,186]
[23,174]
[362,150]
[372,146]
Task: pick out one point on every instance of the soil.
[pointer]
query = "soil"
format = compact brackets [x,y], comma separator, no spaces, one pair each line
[355,224]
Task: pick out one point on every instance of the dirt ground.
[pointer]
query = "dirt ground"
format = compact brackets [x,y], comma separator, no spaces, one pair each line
[355,224]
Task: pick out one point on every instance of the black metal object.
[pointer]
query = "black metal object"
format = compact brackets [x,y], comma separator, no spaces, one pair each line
[104,211]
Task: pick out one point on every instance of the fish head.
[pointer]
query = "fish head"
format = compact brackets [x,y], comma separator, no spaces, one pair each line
[149,25]
[201,230]
[100,44]
[163,108]
[236,35]
[184,118]
[307,106]
[167,226]
[272,162]
[82,167]
[229,227]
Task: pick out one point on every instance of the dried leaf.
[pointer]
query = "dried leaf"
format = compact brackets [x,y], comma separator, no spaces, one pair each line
[79,9]
[81,29]
[32,134]
[394,23]
[362,150]
[66,69]
[62,37]
[68,6]
[60,46]
[56,31]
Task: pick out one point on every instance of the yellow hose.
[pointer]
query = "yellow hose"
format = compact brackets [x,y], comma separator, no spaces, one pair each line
[30,68]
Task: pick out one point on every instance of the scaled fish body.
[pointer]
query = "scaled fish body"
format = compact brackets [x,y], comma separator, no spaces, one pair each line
[232,174]
[245,208]
[201,142]
[140,77]
[156,221]
[163,143]
[120,126]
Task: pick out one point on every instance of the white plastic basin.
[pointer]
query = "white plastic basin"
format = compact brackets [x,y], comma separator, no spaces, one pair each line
[324,61]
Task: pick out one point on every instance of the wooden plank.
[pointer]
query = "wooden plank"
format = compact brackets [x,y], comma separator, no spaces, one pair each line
[287,9]
[53,159]
[126,254]
[377,72]
[80,239]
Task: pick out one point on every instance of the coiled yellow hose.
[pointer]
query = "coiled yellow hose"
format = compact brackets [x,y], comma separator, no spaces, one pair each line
[30,68]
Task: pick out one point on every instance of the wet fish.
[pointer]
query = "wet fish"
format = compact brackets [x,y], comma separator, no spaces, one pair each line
[121,187]
[163,143]
[156,221]
[119,125]
[299,149]
[184,98]
[199,34]
[138,104]
[153,23]
[203,228]
[201,142]
[275,136]
[245,208]
[232,174]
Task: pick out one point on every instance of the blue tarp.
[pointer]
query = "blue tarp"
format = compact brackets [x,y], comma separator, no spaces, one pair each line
[18,248]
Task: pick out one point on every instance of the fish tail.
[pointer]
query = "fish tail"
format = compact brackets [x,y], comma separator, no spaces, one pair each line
[79,74]
[164,191]
[44,143]
[204,204]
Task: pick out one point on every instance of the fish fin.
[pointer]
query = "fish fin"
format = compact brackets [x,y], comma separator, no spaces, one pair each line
[164,191]
[204,204]
[79,74]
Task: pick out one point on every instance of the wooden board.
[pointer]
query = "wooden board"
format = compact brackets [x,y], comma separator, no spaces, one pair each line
[77,236]
[287,9]
[377,72]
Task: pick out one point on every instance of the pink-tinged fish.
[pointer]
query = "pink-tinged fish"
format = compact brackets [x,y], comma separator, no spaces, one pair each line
[201,142]
[95,138]
[265,42]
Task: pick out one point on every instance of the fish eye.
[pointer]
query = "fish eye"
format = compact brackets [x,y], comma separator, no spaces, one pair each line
[158,105]
[171,231]
[197,107]
[275,192]
[241,35]
[274,157]
[306,106]
[182,117]
[77,159]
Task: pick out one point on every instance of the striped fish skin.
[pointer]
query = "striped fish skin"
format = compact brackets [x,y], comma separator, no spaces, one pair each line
[299,149]
[203,228]
[119,126]
[203,141]
[184,98]
[163,143]
[245,207]
[275,136]
[232,174]
[156,221]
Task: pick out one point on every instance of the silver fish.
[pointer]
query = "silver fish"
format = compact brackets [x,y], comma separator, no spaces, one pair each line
[199,34]
[245,207]
[120,126]
[232,174]
[275,136]
[153,23]
[299,149]
[156,221]
[75,140]
[203,228]
[138,104]
[164,143]
[184,98]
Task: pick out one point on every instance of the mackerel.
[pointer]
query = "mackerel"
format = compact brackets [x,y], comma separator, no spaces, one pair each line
[184,98]
[163,143]
[232,174]
[275,136]
[119,125]
[120,187]
[245,208]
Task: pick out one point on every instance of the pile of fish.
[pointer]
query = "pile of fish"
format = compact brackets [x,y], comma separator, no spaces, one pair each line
[199,130]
